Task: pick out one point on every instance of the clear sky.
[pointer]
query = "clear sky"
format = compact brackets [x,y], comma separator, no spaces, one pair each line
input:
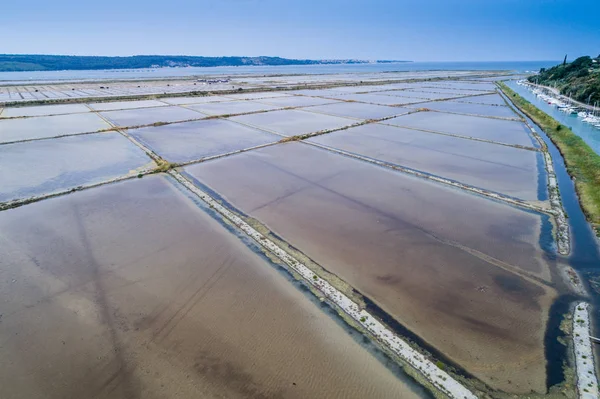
[419,30]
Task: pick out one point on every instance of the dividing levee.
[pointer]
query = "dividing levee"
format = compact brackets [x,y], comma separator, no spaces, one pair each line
[464,273]
[131,290]
[319,236]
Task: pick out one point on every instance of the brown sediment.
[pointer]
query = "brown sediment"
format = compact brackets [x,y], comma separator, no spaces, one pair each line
[130,291]
[399,245]
[333,279]
[419,365]
[443,263]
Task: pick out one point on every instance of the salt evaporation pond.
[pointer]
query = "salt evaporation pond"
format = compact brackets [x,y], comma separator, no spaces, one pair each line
[131,290]
[409,255]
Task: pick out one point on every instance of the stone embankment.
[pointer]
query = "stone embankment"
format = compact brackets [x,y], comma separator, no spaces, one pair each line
[430,371]
[587,383]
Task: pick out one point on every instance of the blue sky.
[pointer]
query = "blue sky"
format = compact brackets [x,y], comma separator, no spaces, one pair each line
[425,30]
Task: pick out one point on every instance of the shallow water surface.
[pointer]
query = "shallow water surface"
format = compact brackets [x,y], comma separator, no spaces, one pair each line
[381,99]
[317,92]
[116,105]
[502,131]
[355,89]
[491,99]
[49,126]
[589,133]
[296,101]
[148,116]
[452,84]
[48,166]
[357,110]
[184,142]
[406,94]
[232,107]
[194,100]
[293,122]
[507,170]
[428,255]
[584,256]
[450,91]
[43,110]
[256,95]
[470,108]
[131,291]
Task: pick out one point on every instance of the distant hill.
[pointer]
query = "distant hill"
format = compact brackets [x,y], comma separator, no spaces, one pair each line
[34,62]
[580,79]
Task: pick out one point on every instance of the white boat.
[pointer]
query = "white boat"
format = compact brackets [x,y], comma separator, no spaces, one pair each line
[567,107]
[592,119]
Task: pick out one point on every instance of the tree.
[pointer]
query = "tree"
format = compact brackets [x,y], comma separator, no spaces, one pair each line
[565,60]
[582,73]
[581,62]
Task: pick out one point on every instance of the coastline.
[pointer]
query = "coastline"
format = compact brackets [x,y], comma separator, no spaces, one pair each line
[257,71]
[564,139]
[582,162]
[565,98]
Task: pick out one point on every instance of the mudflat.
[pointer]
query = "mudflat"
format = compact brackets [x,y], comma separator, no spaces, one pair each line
[130,290]
[463,272]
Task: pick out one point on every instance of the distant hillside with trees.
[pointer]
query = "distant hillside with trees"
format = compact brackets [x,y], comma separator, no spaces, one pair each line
[579,79]
[34,62]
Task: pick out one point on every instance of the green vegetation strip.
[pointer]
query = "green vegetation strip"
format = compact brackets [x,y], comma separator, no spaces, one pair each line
[583,164]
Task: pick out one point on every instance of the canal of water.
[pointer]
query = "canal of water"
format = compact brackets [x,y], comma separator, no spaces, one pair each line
[585,248]
[589,133]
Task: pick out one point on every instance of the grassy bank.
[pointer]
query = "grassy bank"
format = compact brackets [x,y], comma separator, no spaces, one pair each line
[583,164]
